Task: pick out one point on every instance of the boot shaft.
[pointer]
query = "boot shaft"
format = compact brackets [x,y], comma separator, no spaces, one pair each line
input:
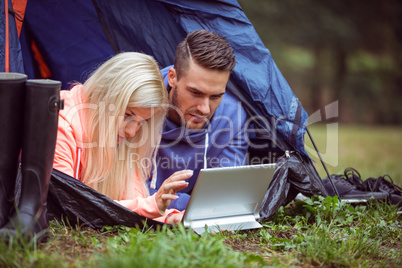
[38,125]
[42,104]
[12,97]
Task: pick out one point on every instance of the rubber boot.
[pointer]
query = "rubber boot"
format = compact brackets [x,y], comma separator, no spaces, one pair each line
[12,94]
[42,104]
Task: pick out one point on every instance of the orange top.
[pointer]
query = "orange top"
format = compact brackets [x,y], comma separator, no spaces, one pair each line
[68,154]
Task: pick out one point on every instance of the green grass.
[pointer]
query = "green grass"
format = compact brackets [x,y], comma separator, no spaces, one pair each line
[317,232]
[372,150]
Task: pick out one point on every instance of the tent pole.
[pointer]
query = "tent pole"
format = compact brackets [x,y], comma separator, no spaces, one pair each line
[322,162]
[7,44]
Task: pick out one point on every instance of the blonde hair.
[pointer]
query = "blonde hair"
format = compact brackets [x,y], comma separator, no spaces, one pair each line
[128,79]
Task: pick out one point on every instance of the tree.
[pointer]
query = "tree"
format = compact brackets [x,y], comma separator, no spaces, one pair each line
[334,32]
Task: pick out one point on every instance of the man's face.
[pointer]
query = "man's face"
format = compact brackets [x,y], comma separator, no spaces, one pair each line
[196,95]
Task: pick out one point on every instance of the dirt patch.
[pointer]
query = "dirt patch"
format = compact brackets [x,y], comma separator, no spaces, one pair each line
[250,246]
[248,242]
[72,244]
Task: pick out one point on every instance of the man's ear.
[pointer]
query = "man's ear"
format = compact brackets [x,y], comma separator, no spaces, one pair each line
[172,77]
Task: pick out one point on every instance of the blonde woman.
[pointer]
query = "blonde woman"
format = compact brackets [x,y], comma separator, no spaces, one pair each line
[109,130]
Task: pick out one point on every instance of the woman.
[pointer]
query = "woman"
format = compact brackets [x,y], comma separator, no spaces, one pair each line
[109,130]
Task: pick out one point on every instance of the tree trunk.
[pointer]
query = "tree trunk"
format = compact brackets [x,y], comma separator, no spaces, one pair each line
[317,78]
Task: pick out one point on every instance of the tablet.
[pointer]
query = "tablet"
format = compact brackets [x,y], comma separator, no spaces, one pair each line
[228,198]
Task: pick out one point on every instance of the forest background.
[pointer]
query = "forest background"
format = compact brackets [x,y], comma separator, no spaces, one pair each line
[345,51]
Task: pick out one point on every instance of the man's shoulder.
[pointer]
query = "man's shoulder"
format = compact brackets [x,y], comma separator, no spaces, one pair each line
[230,104]
[165,70]
[229,98]
[229,113]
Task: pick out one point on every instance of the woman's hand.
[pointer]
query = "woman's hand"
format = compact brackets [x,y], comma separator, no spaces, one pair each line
[168,189]
[175,218]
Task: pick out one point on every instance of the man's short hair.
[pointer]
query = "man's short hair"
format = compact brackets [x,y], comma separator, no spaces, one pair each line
[207,49]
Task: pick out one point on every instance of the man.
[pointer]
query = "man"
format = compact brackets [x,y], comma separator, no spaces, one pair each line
[205,125]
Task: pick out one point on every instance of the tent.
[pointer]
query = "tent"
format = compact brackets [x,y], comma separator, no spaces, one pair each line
[66,40]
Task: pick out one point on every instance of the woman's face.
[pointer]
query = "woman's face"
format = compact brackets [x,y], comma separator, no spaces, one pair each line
[134,117]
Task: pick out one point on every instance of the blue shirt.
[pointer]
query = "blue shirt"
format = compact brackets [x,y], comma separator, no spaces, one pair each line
[222,142]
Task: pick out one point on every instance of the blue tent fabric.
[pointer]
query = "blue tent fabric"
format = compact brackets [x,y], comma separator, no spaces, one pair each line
[74,37]
[15,53]
[73,43]
[256,72]
[2,39]
[152,30]
[69,37]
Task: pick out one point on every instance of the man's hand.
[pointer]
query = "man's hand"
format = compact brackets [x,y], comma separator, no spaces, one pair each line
[168,189]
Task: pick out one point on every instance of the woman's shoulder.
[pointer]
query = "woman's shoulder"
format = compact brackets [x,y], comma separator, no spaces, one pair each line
[72,95]
[72,101]
[70,117]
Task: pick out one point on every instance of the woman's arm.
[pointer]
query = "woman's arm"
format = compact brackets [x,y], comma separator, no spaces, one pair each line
[147,207]
[155,206]
[65,156]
